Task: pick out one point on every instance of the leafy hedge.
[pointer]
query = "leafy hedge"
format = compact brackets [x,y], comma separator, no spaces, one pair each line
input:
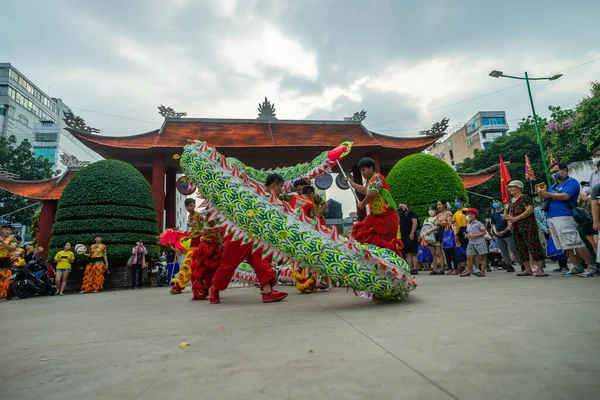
[108,211]
[420,180]
[110,198]
[109,225]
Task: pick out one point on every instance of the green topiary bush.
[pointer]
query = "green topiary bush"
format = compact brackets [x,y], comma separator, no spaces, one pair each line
[110,198]
[420,180]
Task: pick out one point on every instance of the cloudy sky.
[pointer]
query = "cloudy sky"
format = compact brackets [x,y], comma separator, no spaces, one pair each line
[408,63]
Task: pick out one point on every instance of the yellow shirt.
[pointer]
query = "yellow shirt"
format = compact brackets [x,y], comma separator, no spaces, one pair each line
[64,259]
[97,250]
[4,252]
[460,218]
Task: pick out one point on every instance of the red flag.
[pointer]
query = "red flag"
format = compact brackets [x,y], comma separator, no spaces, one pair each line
[504,179]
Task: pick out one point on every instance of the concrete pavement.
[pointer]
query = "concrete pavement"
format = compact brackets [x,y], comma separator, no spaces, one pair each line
[499,337]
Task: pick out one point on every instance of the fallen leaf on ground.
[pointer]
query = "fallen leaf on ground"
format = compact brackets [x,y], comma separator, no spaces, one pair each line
[184,344]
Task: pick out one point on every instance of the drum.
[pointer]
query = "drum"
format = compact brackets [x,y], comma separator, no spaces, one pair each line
[339,181]
[185,186]
[324,181]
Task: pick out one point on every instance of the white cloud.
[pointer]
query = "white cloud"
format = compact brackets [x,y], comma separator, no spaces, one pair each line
[268,47]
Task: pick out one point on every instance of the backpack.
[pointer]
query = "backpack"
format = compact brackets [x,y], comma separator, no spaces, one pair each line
[431,237]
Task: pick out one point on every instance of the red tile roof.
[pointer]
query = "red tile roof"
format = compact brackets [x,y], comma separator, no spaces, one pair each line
[176,132]
[47,189]
[478,178]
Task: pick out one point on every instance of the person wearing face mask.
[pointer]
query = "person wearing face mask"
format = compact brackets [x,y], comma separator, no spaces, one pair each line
[595,176]
[429,233]
[409,221]
[585,202]
[477,248]
[504,236]
[563,197]
[461,222]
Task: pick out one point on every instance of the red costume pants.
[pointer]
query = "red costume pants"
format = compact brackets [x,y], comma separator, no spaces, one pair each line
[379,230]
[385,226]
[234,252]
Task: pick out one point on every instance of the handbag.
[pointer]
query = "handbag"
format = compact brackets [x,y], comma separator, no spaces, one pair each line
[424,255]
[461,254]
[130,262]
[448,239]
[552,251]
[580,215]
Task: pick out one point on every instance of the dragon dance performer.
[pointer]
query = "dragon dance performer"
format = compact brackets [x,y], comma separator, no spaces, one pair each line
[8,244]
[380,227]
[320,203]
[93,279]
[202,245]
[234,252]
[307,281]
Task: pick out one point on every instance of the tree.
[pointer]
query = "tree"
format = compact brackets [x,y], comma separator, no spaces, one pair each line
[513,148]
[572,134]
[20,162]
[420,180]
[266,110]
[357,116]
[110,198]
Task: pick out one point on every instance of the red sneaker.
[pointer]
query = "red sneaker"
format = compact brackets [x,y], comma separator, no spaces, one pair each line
[274,296]
[213,295]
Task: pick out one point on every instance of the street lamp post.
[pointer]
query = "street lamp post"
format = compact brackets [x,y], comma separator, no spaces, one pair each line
[499,74]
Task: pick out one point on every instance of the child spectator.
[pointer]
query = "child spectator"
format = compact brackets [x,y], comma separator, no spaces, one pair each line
[477,248]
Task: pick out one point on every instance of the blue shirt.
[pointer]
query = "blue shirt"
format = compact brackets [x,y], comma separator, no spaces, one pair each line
[560,208]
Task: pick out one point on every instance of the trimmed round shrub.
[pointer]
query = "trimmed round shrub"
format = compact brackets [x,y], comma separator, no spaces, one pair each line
[420,180]
[112,199]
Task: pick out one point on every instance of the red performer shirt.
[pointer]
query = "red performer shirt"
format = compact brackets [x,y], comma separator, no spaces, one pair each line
[302,203]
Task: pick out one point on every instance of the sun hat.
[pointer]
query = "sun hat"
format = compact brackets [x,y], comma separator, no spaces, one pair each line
[515,183]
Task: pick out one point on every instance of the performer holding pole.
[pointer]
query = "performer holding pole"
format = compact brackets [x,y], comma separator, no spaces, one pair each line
[380,227]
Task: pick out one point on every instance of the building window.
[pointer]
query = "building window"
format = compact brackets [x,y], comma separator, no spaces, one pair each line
[493,121]
[48,153]
[451,156]
[22,119]
[46,136]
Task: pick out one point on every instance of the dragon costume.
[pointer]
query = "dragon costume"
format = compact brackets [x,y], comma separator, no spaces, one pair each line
[248,214]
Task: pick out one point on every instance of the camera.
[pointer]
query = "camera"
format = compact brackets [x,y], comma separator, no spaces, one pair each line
[545,204]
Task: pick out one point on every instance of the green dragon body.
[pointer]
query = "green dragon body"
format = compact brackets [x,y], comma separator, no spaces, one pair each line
[247,212]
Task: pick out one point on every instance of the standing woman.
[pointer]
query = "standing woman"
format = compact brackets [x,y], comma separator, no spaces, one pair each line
[521,220]
[444,221]
[139,263]
[93,280]
[63,260]
[438,264]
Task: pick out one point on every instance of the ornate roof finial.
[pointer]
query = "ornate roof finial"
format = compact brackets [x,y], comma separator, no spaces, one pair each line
[78,123]
[437,129]
[72,161]
[168,112]
[266,110]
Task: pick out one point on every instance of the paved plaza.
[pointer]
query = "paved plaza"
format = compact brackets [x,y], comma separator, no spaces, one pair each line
[500,337]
